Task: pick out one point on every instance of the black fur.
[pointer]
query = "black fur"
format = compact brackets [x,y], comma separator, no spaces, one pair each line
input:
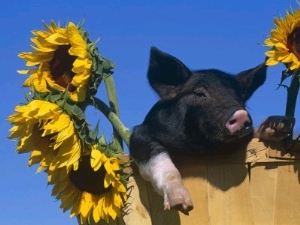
[194,107]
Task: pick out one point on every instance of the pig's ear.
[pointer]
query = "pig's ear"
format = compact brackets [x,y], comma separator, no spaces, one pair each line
[166,73]
[252,79]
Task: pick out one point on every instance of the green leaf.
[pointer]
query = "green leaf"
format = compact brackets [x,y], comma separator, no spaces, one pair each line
[94,133]
[102,141]
[107,64]
[27,96]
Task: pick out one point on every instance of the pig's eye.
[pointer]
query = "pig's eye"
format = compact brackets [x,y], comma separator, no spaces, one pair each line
[200,93]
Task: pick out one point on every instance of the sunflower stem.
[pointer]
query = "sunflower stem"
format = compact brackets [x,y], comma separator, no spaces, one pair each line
[292,94]
[117,124]
[113,103]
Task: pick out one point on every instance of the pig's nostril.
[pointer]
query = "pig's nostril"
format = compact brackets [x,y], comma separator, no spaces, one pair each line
[232,122]
[240,119]
[247,124]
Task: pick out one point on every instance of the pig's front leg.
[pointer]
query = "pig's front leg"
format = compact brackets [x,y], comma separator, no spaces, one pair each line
[275,128]
[166,179]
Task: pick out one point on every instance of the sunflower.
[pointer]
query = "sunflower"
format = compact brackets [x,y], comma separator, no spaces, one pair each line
[61,58]
[46,131]
[284,41]
[93,192]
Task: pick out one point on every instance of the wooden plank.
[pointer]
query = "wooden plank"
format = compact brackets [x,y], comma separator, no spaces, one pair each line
[263,179]
[156,209]
[138,203]
[194,179]
[229,195]
[256,151]
[287,202]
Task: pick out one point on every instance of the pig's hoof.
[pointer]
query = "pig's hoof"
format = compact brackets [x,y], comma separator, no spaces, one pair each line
[184,208]
[275,128]
[178,198]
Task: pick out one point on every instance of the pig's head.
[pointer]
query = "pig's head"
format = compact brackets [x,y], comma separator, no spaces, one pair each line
[209,103]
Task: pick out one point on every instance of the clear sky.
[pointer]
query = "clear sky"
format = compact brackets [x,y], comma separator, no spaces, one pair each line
[226,35]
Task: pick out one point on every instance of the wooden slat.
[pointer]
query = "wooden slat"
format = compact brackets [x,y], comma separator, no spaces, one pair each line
[157,213]
[263,180]
[287,201]
[138,209]
[195,181]
[256,151]
[229,195]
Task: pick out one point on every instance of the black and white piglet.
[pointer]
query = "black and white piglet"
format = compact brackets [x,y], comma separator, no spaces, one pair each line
[200,112]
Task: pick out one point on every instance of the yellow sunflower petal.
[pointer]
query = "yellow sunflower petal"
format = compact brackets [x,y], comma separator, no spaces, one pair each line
[57,39]
[271,62]
[97,211]
[97,159]
[35,157]
[42,45]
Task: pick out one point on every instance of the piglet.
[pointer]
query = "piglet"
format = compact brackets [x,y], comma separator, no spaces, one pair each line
[199,112]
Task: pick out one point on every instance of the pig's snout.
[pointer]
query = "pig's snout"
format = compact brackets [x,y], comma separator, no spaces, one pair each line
[240,120]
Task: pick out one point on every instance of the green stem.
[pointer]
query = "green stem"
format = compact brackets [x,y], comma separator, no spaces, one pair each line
[292,96]
[111,93]
[113,103]
[118,126]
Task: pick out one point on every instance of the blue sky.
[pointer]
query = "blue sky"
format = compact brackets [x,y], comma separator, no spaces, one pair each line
[226,35]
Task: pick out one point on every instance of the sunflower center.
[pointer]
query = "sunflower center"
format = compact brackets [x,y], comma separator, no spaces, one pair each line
[61,67]
[88,180]
[293,42]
